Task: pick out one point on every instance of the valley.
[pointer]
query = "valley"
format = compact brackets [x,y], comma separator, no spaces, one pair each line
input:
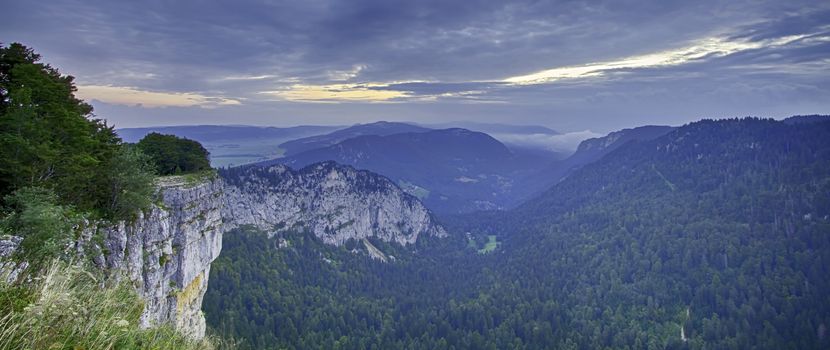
[642,233]
[383,175]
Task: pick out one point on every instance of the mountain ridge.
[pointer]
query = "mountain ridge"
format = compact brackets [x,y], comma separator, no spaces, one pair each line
[452,170]
[380,128]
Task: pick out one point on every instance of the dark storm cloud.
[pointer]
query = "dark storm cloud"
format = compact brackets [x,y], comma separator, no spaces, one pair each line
[270,61]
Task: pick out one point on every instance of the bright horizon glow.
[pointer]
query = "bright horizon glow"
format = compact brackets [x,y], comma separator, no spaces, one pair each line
[129,96]
[336,93]
[717,47]
[708,47]
[563,64]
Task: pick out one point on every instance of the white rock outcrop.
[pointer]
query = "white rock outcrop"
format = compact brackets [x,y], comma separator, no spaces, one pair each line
[165,253]
[334,202]
[9,268]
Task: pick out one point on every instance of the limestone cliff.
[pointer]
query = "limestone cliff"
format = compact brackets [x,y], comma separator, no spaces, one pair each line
[334,202]
[166,252]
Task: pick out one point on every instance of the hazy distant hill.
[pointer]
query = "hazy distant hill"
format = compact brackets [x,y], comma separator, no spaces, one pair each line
[593,149]
[588,152]
[521,138]
[451,170]
[378,128]
[233,144]
[495,128]
[211,133]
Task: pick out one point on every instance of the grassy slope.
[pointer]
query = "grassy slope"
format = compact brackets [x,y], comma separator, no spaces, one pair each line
[67,308]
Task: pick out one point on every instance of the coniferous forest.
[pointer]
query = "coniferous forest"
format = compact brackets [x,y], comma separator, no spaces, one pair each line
[712,236]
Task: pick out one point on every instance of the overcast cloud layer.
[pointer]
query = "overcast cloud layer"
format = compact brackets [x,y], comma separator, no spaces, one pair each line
[568,65]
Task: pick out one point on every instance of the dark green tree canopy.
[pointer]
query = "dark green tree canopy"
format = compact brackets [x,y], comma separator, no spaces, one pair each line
[47,137]
[174,155]
[50,139]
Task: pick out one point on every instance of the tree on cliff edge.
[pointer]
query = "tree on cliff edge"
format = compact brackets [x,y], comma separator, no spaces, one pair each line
[50,139]
[174,155]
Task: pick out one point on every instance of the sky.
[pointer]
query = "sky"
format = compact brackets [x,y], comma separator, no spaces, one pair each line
[573,66]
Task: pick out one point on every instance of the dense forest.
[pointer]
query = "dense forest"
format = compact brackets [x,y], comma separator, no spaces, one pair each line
[712,236]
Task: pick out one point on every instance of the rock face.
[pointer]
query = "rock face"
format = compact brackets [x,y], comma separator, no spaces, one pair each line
[9,269]
[332,201]
[165,253]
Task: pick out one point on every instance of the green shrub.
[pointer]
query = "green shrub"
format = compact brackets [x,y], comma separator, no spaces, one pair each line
[46,227]
[173,155]
[130,177]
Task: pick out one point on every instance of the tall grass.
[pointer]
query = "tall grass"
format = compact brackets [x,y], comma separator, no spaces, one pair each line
[69,308]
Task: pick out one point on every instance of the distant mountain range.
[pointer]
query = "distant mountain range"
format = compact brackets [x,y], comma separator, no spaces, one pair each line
[213,133]
[381,128]
[523,138]
[233,145]
[453,170]
[495,128]
[450,170]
